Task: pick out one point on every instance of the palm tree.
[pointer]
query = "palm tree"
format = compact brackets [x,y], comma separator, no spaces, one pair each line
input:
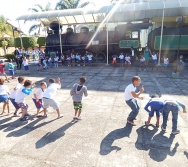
[70,4]
[39,8]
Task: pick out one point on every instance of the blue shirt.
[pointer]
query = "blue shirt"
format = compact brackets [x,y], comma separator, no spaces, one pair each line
[155,104]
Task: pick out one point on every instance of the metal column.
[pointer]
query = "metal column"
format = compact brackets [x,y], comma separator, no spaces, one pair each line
[60,37]
[107,42]
[161,40]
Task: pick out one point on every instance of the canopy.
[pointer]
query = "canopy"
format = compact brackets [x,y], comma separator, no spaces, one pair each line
[123,13]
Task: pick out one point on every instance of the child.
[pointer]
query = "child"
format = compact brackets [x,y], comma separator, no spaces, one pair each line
[13,94]
[78,59]
[142,62]
[4,92]
[50,62]
[25,63]
[156,105]
[69,61]
[38,97]
[173,106]
[48,96]
[45,64]
[11,68]
[128,60]
[62,59]
[154,60]
[90,58]
[121,59]
[114,57]
[2,70]
[73,59]
[26,89]
[39,66]
[56,61]
[84,60]
[166,62]
[77,92]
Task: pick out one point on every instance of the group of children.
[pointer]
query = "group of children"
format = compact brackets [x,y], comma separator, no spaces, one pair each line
[43,97]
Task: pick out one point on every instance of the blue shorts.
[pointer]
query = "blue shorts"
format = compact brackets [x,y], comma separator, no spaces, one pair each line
[154,62]
[165,65]
[151,113]
[89,61]
[142,63]
[26,68]
[14,103]
[121,60]
[11,72]
[4,98]
[38,106]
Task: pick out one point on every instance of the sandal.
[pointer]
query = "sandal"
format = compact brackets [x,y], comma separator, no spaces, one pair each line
[132,123]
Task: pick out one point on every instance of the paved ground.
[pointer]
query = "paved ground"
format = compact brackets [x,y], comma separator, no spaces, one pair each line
[102,138]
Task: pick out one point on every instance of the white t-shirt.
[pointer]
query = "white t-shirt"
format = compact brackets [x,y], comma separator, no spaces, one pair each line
[127,59]
[51,90]
[114,58]
[56,59]
[142,59]
[132,52]
[89,57]
[4,90]
[13,93]
[154,57]
[121,56]
[39,93]
[20,96]
[25,62]
[130,88]
[165,60]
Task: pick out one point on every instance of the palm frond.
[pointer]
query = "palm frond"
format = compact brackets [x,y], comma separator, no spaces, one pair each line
[83,5]
[33,9]
[34,27]
[40,7]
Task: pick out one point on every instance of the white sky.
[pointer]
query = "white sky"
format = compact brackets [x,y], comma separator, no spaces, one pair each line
[11,9]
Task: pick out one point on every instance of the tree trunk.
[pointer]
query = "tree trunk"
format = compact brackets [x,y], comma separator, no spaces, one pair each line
[4,48]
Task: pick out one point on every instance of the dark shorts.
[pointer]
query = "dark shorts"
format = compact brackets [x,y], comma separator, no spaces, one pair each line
[77,105]
[26,68]
[11,72]
[154,62]
[37,105]
[121,60]
[4,98]
[23,106]
[14,103]
[151,113]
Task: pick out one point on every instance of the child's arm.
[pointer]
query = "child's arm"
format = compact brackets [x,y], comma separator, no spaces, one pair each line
[146,107]
[27,91]
[181,105]
[35,96]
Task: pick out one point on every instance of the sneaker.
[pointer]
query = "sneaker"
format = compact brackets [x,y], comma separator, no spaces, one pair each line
[79,118]
[176,132]
[15,115]
[27,114]
[24,119]
[132,123]
[74,117]
[162,128]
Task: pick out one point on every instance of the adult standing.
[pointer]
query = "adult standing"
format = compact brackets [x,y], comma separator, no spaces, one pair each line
[147,54]
[16,55]
[130,99]
[27,54]
[42,56]
[20,59]
[33,54]
[132,56]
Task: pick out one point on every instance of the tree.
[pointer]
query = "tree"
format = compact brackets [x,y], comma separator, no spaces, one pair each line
[4,45]
[70,4]
[41,41]
[28,42]
[5,29]
[38,8]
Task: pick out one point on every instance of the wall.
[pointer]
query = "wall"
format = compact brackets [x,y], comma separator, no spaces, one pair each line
[10,50]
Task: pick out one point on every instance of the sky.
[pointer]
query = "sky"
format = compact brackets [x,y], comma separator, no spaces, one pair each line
[11,9]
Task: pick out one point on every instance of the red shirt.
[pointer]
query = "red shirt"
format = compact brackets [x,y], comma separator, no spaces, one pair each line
[2,70]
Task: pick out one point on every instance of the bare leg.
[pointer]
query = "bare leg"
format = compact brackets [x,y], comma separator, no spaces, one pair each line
[4,105]
[8,108]
[45,111]
[157,121]
[6,77]
[23,113]
[79,112]
[37,112]
[16,111]
[149,119]
[76,111]
[58,113]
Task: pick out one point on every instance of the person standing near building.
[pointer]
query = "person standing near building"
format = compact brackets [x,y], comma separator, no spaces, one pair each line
[154,60]
[132,56]
[27,53]
[20,59]
[121,58]
[147,54]
[16,55]
[130,98]
[33,54]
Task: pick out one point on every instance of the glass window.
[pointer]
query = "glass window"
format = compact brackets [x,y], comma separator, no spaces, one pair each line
[135,34]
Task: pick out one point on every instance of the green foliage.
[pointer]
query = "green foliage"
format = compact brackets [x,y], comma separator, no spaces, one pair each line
[11,42]
[9,56]
[4,43]
[41,41]
[1,42]
[28,42]
[4,27]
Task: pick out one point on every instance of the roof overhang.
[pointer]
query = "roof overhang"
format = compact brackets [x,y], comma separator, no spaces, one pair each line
[123,13]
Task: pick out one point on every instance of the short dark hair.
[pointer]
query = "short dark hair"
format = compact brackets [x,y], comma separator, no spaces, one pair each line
[82,79]
[52,80]
[155,95]
[135,78]
[27,83]
[2,81]
[42,83]
[20,79]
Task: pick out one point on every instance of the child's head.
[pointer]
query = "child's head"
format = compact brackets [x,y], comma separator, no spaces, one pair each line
[28,83]
[136,80]
[52,80]
[82,80]
[2,81]
[24,58]
[155,95]
[10,60]
[43,85]
[181,56]
[1,61]
[21,80]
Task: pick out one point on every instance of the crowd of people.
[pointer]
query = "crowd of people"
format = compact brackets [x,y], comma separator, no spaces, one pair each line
[43,97]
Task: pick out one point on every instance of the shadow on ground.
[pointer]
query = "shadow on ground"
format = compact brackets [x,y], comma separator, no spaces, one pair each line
[53,136]
[159,146]
[106,144]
